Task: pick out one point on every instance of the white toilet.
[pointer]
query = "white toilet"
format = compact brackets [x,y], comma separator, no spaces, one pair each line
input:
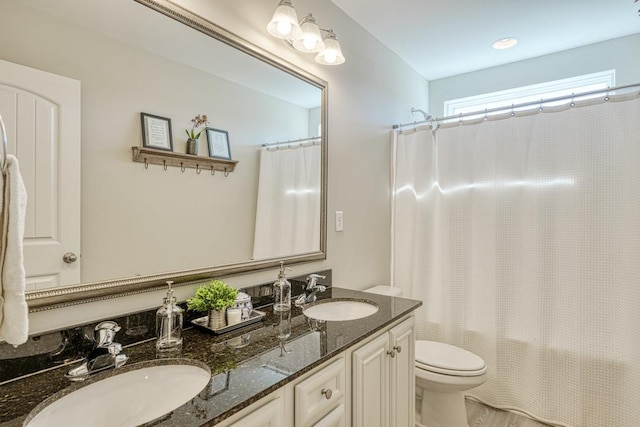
[442,372]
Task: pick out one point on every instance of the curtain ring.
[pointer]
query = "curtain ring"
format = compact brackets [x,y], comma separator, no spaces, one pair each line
[182,168]
[213,171]
[146,165]
[165,164]
[198,169]
[226,173]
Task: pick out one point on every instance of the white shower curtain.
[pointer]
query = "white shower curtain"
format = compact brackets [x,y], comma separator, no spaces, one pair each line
[288,206]
[521,235]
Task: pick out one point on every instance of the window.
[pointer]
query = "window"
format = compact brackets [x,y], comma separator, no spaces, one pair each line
[548,90]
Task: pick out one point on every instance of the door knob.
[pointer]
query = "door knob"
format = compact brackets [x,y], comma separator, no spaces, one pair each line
[69,257]
[392,353]
[397,348]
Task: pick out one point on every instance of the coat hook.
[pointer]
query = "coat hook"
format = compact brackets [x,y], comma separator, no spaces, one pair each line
[226,173]
[182,168]
[146,165]
[213,171]
[198,169]
[165,164]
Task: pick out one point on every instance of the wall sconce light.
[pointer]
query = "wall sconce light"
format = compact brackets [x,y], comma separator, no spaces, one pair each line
[305,36]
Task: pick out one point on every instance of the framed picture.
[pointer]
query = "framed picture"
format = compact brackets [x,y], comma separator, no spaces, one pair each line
[218,141]
[156,132]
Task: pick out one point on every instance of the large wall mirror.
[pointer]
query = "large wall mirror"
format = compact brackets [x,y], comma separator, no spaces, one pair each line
[141,225]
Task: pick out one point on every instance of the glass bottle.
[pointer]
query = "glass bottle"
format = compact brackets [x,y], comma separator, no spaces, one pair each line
[281,291]
[169,325]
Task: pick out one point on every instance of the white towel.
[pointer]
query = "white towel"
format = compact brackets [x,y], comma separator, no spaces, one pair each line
[14,320]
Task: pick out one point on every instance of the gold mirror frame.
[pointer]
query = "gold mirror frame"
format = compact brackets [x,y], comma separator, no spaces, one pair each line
[95,291]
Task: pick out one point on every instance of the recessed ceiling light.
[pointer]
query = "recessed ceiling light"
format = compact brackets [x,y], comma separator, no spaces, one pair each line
[505,43]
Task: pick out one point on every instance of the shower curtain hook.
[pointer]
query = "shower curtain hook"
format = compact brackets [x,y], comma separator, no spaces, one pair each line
[226,174]
[182,168]
[573,102]
[606,97]
[198,169]
[512,112]
[485,115]
[540,106]
[165,164]
[460,118]
[146,165]
[415,126]
[213,171]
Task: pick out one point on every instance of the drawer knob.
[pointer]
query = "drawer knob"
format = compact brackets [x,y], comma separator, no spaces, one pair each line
[392,353]
[397,348]
[327,393]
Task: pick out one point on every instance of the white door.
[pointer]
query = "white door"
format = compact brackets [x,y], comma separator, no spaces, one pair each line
[41,112]
[370,393]
[402,378]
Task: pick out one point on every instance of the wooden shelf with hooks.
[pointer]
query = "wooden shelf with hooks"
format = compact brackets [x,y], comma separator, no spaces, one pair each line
[183,161]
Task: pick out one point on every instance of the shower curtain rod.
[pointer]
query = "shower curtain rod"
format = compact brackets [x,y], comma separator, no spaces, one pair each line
[514,106]
[291,141]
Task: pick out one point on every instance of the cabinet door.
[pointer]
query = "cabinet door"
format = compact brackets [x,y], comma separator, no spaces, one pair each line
[319,394]
[268,415]
[402,376]
[334,419]
[370,392]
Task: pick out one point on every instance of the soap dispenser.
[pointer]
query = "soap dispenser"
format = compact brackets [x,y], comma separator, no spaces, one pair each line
[282,291]
[169,324]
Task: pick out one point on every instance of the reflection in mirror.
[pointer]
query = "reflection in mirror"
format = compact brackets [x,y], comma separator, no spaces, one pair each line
[146,222]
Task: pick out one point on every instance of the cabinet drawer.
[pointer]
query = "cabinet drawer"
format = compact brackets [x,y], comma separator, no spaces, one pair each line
[334,419]
[316,396]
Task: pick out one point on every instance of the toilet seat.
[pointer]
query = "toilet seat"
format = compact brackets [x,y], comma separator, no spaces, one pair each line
[447,359]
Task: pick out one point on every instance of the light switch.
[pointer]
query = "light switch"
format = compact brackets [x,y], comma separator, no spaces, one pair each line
[339,221]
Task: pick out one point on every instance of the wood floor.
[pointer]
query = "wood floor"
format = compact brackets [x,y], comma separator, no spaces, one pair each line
[480,415]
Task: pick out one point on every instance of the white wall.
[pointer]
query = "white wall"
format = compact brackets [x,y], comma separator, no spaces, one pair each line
[620,54]
[371,91]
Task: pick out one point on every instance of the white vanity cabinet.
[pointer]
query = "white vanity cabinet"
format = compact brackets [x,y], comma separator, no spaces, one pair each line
[371,384]
[383,379]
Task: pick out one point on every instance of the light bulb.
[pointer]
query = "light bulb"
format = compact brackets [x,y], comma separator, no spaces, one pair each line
[284,27]
[309,43]
[330,57]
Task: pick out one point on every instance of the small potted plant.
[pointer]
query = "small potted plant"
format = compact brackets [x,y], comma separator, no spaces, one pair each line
[214,297]
[192,142]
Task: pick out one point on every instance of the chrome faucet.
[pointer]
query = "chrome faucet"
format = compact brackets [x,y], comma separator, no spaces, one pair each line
[311,289]
[104,355]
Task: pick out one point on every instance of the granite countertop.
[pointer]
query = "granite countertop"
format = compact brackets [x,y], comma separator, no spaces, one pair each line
[246,364]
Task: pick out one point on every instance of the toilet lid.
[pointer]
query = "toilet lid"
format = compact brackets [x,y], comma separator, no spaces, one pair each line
[448,359]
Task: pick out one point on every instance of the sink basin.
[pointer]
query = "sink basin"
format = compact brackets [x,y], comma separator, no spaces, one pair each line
[141,393]
[340,309]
